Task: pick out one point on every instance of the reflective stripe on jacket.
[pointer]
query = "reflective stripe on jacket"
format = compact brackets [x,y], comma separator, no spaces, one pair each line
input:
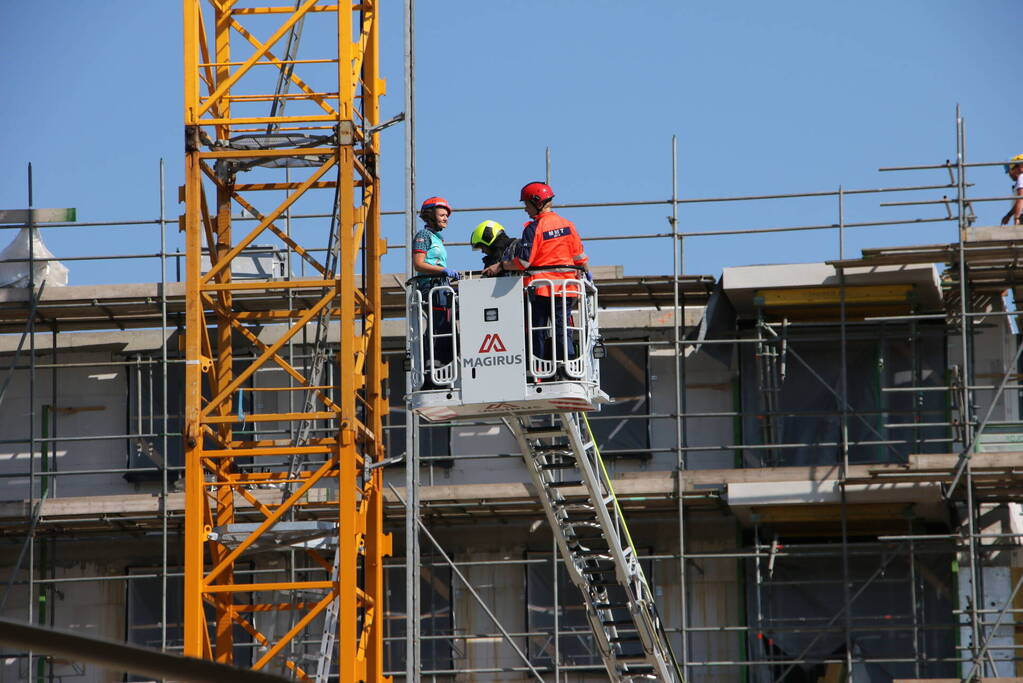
[550,240]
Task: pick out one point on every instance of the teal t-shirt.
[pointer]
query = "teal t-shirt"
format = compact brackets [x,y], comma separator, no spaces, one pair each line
[430,243]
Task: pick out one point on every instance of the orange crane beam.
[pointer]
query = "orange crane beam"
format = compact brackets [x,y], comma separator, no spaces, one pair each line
[324,138]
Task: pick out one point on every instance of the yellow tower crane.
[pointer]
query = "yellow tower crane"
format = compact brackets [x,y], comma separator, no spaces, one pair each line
[285,463]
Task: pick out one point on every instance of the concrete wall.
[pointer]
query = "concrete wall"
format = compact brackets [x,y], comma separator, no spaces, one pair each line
[708,389]
[92,607]
[90,401]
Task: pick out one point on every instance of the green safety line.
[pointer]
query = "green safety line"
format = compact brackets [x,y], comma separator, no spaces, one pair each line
[610,487]
[628,537]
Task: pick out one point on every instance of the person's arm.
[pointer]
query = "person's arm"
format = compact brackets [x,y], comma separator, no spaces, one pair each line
[580,260]
[1017,207]
[519,260]
[1016,210]
[419,261]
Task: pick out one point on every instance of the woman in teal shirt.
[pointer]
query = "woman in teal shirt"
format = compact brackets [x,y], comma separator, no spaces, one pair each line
[430,260]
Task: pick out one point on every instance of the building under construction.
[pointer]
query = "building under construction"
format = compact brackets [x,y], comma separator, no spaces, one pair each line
[817,461]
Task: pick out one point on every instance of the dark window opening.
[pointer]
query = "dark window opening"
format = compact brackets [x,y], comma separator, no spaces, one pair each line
[434,440]
[144,618]
[622,428]
[436,622]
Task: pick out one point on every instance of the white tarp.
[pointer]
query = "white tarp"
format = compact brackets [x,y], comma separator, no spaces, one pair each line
[14,264]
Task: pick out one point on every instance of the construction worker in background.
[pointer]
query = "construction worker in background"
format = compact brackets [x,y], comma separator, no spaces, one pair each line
[430,260]
[1015,170]
[490,238]
[549,249]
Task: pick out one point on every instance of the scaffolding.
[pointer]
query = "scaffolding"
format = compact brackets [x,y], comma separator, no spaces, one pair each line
[939,438]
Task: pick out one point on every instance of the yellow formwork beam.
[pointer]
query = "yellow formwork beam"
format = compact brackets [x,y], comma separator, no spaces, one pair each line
[832,296]
[223,352]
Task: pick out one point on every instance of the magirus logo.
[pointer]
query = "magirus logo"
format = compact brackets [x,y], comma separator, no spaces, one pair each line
[492,344]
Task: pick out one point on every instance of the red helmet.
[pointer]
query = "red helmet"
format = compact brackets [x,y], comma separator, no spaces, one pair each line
[434,203]
[538,193]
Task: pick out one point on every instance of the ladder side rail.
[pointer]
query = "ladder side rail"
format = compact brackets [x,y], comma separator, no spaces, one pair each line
[585,458]
[606,649]
[305,427]
[326,658]
[540,368]
[628,572]
[639,586]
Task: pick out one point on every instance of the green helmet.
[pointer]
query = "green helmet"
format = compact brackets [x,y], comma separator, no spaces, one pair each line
[485,233]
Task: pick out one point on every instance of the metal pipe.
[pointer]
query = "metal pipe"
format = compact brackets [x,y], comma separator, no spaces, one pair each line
[121,656]
[947,164]
[412,628]
[844,473]
[472,591]
[31,602]
[677,328]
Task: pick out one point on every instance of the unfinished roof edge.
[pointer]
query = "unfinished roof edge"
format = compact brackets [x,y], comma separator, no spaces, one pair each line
[741,283]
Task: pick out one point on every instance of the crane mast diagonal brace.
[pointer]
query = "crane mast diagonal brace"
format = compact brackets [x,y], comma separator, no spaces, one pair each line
[241,503]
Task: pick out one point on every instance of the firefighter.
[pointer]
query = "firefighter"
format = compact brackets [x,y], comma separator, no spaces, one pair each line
[430,260]
[549,249]
[491,238]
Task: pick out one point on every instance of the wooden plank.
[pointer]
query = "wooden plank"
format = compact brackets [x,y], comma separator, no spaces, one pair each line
[825,296]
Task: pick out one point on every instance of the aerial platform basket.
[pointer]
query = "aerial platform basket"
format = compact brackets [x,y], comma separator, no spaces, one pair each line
[494,368]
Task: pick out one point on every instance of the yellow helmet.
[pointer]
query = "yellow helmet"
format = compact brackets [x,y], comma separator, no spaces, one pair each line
[1015,161]
[484,234]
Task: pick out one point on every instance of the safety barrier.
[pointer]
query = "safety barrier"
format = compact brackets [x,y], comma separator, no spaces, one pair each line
[570,343]
[569,346]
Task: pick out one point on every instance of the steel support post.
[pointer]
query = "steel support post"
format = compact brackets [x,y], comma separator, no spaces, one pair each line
[678,326]
[412,627]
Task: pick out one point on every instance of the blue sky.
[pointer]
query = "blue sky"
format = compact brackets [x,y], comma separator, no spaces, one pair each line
[799,96]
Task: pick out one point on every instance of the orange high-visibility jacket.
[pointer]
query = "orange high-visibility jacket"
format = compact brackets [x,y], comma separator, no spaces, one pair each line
[550,240]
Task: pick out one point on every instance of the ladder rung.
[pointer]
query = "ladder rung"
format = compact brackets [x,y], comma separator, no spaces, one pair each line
[558,466]
[564,484]
[583,526]
[544,432]
[576,546]
[588,543]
